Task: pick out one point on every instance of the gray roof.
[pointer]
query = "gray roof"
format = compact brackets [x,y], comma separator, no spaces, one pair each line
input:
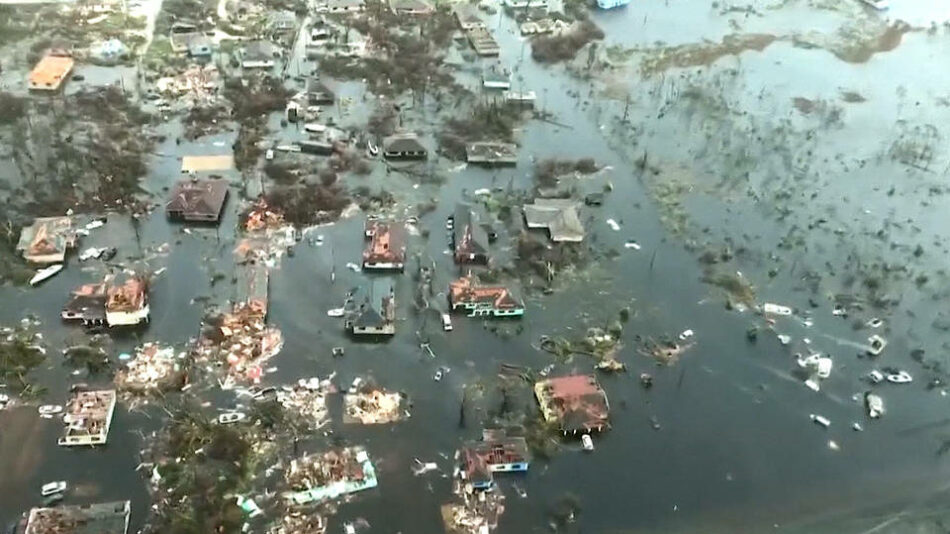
[403,143]
[558,215]
[466,220]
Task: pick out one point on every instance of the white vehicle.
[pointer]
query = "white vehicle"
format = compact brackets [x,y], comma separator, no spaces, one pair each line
[901,377]
[269,155]
[51,488]
[875,405]
[446,322]
[587,442]
[50,409]
[45,273]
[821,365]
[336,312]
[820,420]
[876,377]
[879,5]
[876,345]
[231,417]
[4,399]
[438,375]
[776,309]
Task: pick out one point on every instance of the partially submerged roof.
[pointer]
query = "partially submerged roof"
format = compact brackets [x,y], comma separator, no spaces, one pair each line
[413,6]
[403,142]
[558,215]
[102,518]
[202,199]
[470,235]
[223,162]
[47,236]
[576,402]
[51,72]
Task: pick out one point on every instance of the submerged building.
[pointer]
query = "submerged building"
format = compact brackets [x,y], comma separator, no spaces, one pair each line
[376,315]
[102,518]
[47,240]
[88,418]
[576,403]
[478,300]
[387,246]
[495,453]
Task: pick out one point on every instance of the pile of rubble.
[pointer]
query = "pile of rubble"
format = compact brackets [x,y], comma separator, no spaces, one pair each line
[198,83]
[476,512]
[320,477]
[370,406]
[241,339]
[261,218]
[154,369]
[308,400]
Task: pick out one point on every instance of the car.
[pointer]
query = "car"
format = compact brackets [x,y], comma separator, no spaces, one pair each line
[587,442]
[875,376]
[231,417]
[51,488]
[50,409]
[446,322]
[269,155]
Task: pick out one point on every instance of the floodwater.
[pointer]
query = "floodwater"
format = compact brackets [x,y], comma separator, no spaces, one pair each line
[803,195]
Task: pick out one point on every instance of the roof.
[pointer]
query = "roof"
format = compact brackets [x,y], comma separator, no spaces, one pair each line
[260,51]
[315,86]
[101,518]
[198,197]
[88,300]
[378,308]
[470,236]
[50,72]
[222,162]
[410,5]
[467,14]
[130,296]
[577,402]
[406,142]
[558,215]
[469,289]
[388,243]
[47,235]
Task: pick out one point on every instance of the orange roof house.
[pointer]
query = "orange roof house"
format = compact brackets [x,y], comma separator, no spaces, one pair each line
[576,403]
[468,294]
[50,73]
[387,247]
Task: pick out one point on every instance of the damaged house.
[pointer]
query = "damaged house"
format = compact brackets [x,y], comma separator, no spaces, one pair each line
[491,153]
[469,237]
[127,304]
[495,453]
[478,300]
[47,240]
[558,216]
[468,17]
[411,7]
[377,314]
[88,418]
[387,247]
[319,94]
[404,146]
[101,518]
[321,477]
[51,72]
[576,403]
[87,304]
[197,200]
[260,55]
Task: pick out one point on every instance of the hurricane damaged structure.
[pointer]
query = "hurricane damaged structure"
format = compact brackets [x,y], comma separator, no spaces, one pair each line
[51,72]
[477,300]
[197,200]
[127,304]
[153,369]
[496,452]
[469,237]
[47,240]
[376,315]
[386,249]
[576,403]
[87,304]
[102,518]
[371,405]
[558,216]
[322,477]
[404,146]
[490,153]
[88,418]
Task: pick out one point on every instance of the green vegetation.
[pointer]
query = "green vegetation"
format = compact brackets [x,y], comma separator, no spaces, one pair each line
[19,354]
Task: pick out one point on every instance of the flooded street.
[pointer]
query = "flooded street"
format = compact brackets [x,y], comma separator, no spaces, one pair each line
[789,152]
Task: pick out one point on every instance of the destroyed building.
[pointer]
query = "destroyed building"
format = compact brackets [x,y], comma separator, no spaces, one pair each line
[371,405]
[197,200]
[386,249]
[241,340]
[322,477]
[478,300]
[376,315]
[576,403]
[153,369]
[102,518]
[558,216]
[468,17]
[51,72]
[483,42]
[491,153]
[88,418]
[469,237]
[47,240]
[87,304]
[404,146]
[260,55]
[252,288]
[496,452]
[127,304]
[318,93]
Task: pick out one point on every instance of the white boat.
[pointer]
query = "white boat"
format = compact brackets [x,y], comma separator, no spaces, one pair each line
[438,375]
[820,420]
[587,442]
[231,417]
[91,253]
[776,309]
[821,365]
[52,487]
[879,5]
[901,377]
[45,273]
[50,409]
[446,322]
[269,155]
[336,312]
[312,127]
[876,345]
[875,376]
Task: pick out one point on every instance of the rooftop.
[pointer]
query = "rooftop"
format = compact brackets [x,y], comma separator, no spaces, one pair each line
[198,199]
[130,296]
[191,164]
[576,402]
[103,518]
[51,72]
[388,244]
[468,290]
[88,417]
[46,239]
[558,215]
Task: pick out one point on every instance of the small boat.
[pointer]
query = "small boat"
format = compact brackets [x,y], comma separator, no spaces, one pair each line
[901,377]
[46,273]
[820,420]
[875,376]
[231,417]
[438,375]
[91,253]
[314,128]
[52,487]
[50,409]
[336,312]
[337,352]
[446,322]
[587,442]
[372,149]
[876,345]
